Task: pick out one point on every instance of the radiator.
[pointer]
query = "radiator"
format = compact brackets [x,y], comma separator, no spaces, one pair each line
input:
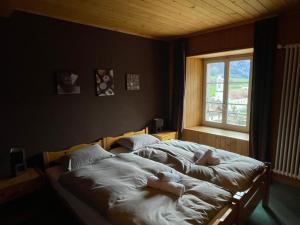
[287,159]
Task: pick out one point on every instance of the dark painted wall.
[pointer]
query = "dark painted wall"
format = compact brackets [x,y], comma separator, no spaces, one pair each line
[34,117]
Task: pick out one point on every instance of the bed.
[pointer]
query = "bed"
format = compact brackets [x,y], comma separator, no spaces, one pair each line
[254,189]
[83,212]
[196,206]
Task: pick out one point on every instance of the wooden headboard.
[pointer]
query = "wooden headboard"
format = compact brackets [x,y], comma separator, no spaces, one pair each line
[49,157]
[109,141]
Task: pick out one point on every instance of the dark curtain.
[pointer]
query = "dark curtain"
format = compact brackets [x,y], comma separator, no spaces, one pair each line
[178,69]
[262,84]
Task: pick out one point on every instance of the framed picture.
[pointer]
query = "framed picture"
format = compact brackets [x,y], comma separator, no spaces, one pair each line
[105,82]
[67,83]
[132,82]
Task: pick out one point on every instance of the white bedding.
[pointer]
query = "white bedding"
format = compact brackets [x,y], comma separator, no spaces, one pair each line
[117,187]
[87,214]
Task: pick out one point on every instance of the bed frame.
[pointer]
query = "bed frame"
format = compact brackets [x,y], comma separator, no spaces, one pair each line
[236,212]
[243,202]
[226,216]
[259,190]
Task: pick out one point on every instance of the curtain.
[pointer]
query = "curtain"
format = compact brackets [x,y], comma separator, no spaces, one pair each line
[262,84]
[178,78]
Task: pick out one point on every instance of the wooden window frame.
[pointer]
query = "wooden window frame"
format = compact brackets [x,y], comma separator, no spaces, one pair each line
[226,60]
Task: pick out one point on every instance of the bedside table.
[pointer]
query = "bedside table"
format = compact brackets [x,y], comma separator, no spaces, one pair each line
[166,135]
[15,187]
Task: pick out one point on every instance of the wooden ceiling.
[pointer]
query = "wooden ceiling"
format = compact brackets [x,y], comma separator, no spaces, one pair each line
[160,19]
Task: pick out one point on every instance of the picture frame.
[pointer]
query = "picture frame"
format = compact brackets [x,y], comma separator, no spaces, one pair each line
[67,83]
[132,82]
[105,82]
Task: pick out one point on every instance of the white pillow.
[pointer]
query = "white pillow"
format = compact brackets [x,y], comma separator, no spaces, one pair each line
[84,156]
[137,141]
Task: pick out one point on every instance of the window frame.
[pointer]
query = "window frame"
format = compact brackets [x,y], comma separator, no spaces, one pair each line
[226,60]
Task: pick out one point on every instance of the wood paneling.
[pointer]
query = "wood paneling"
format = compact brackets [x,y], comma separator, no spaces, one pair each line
[228,140]
[153,18]
[240,37]
[192,115]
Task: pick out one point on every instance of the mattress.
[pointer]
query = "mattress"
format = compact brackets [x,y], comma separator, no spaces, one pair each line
[86,213]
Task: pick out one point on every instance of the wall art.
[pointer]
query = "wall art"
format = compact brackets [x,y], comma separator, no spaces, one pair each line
[67,83]
[105,82]
[132,82]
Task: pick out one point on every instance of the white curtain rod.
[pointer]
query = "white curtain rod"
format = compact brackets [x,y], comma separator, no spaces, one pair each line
[288,46]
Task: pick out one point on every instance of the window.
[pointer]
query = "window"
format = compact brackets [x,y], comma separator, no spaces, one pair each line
[227,92]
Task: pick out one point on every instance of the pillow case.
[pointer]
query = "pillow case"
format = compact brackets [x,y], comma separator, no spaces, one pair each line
[83,157]
[137,141]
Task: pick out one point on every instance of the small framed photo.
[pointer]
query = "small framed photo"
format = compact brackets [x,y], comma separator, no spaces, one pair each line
[132,82]
[67,83]
[105,82]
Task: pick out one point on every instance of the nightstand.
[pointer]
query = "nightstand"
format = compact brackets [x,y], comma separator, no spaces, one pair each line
[15,187]
[166,135]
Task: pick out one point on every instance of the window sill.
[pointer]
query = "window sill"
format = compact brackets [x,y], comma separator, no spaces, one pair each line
[221,132]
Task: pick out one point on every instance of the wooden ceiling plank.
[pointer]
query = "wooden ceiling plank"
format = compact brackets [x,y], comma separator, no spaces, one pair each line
[61,13]
[243,4]
[155,15]
[158,19]
[199,12]
[114,20]
[176,31]
[258,6]
[223,7]
[183,10]
[132,20]
[236,8]
[207,5]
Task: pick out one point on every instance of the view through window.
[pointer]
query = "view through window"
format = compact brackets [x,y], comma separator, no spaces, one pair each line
[227,92]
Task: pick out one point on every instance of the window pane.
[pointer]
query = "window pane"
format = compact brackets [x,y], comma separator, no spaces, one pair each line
[214,93]
[237,114]
[215,72]
[238,85]
[239,71]
[213,112]
[238,93]
[237,119]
